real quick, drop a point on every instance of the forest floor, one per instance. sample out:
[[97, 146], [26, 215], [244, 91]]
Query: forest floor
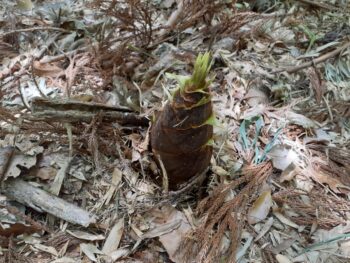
[[81, 81]]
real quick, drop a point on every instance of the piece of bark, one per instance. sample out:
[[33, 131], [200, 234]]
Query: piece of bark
[[43, 201], [74, 111]]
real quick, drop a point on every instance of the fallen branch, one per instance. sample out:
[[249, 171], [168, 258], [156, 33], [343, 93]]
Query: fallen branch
[[75, 111], [42, 201], [314, 61]]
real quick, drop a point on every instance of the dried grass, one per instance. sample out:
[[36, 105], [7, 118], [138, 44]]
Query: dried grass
[[219, 216], [135, 19], [331, 161], [325, 210], [12, 256]]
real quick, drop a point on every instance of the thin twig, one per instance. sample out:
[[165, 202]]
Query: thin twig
[[165, 174], [34, 29], [319, 5], [315, 61], [49, 59]]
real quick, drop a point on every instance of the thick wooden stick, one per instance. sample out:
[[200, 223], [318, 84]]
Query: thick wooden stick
[[43, 201], [75, 111]]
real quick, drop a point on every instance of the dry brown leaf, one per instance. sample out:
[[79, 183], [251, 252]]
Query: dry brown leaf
[[322, 178], [14, 229], [316, 83], [172, 239], [46, 173], [47, 69], [299, 119]]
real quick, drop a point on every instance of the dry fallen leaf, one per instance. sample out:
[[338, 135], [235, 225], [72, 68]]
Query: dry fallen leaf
[[282, 259], [64, 260], [282, 156], [266, 227], [171, 226], [285, 220], [50, 250], [299, 119], [85, 235], [17, 160], [112, 242], [322, 178], [46, 173], [116, 180], [12, 225], [256, 96], [316, 83], [260, 208], [90, 250], [289, 173]]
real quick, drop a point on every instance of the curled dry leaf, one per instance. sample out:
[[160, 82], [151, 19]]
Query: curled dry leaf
[[119, 253], [266, 227], [282, 156], [219, 170], [116, 180]]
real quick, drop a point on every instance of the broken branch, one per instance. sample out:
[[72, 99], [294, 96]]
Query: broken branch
[[42, 201]]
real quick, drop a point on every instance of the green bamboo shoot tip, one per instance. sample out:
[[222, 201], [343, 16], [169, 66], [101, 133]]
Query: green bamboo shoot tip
[[200, 73]]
